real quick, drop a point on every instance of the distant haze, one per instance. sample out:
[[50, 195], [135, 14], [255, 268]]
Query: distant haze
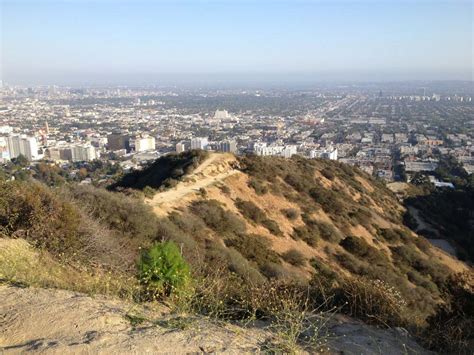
[[203, 42]]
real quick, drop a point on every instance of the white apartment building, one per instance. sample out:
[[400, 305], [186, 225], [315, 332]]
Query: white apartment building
[[83, 152], [142, 144], [228, 146], [180, 147], [199, 143], [327, 153], [285, 151], [288, 151], [24, 145]]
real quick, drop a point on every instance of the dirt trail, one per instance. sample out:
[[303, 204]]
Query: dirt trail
[[63, 322], [215, 169]]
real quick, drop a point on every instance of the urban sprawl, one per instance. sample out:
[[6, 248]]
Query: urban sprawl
[[391, 132]]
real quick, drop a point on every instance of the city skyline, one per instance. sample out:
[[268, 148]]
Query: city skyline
[[204, 42]]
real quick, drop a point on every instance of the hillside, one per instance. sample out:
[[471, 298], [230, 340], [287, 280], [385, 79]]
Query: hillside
[[264, 239]]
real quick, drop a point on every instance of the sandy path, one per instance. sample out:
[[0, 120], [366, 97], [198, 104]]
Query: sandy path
[[202, 177], [62, 322], [182, 190]]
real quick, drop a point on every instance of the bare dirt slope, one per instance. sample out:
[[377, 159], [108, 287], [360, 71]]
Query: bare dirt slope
[[214, 170], [60, 322]]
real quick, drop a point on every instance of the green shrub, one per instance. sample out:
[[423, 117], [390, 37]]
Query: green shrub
[[163, 271], [294, 257]]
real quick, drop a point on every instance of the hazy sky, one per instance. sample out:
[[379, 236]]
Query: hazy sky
[[139, 41]]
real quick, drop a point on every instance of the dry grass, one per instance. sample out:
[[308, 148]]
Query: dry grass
[[21, 264]]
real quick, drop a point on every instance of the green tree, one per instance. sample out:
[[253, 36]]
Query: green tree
[[163, 271]]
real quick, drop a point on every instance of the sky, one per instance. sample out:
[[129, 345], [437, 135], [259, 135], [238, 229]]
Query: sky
[[134, 42]]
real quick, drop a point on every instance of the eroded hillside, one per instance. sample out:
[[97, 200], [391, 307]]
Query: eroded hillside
[[294, 219], [256, 232]]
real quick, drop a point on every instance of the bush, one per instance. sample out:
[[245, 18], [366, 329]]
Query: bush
[[258, 186], [273, 270], [290, 213], [32, 211], [225, 189], [251, 211], [294, 257], [328, 232], [253, 247], [272, 226], [242, 267], [373, 301], [362, 249], [328, 173], [163, 271], [451, 329], [149, 192], [311, 237], [165, 172], [328, 199], [390, 235], [216, 218], [126, 215]]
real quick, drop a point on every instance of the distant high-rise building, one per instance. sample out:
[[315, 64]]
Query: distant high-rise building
[[118, 141], [22, 145], [228, 146], [83, 152], [199, 143]]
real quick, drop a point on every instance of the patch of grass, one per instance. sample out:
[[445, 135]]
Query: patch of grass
[[135, 319]]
